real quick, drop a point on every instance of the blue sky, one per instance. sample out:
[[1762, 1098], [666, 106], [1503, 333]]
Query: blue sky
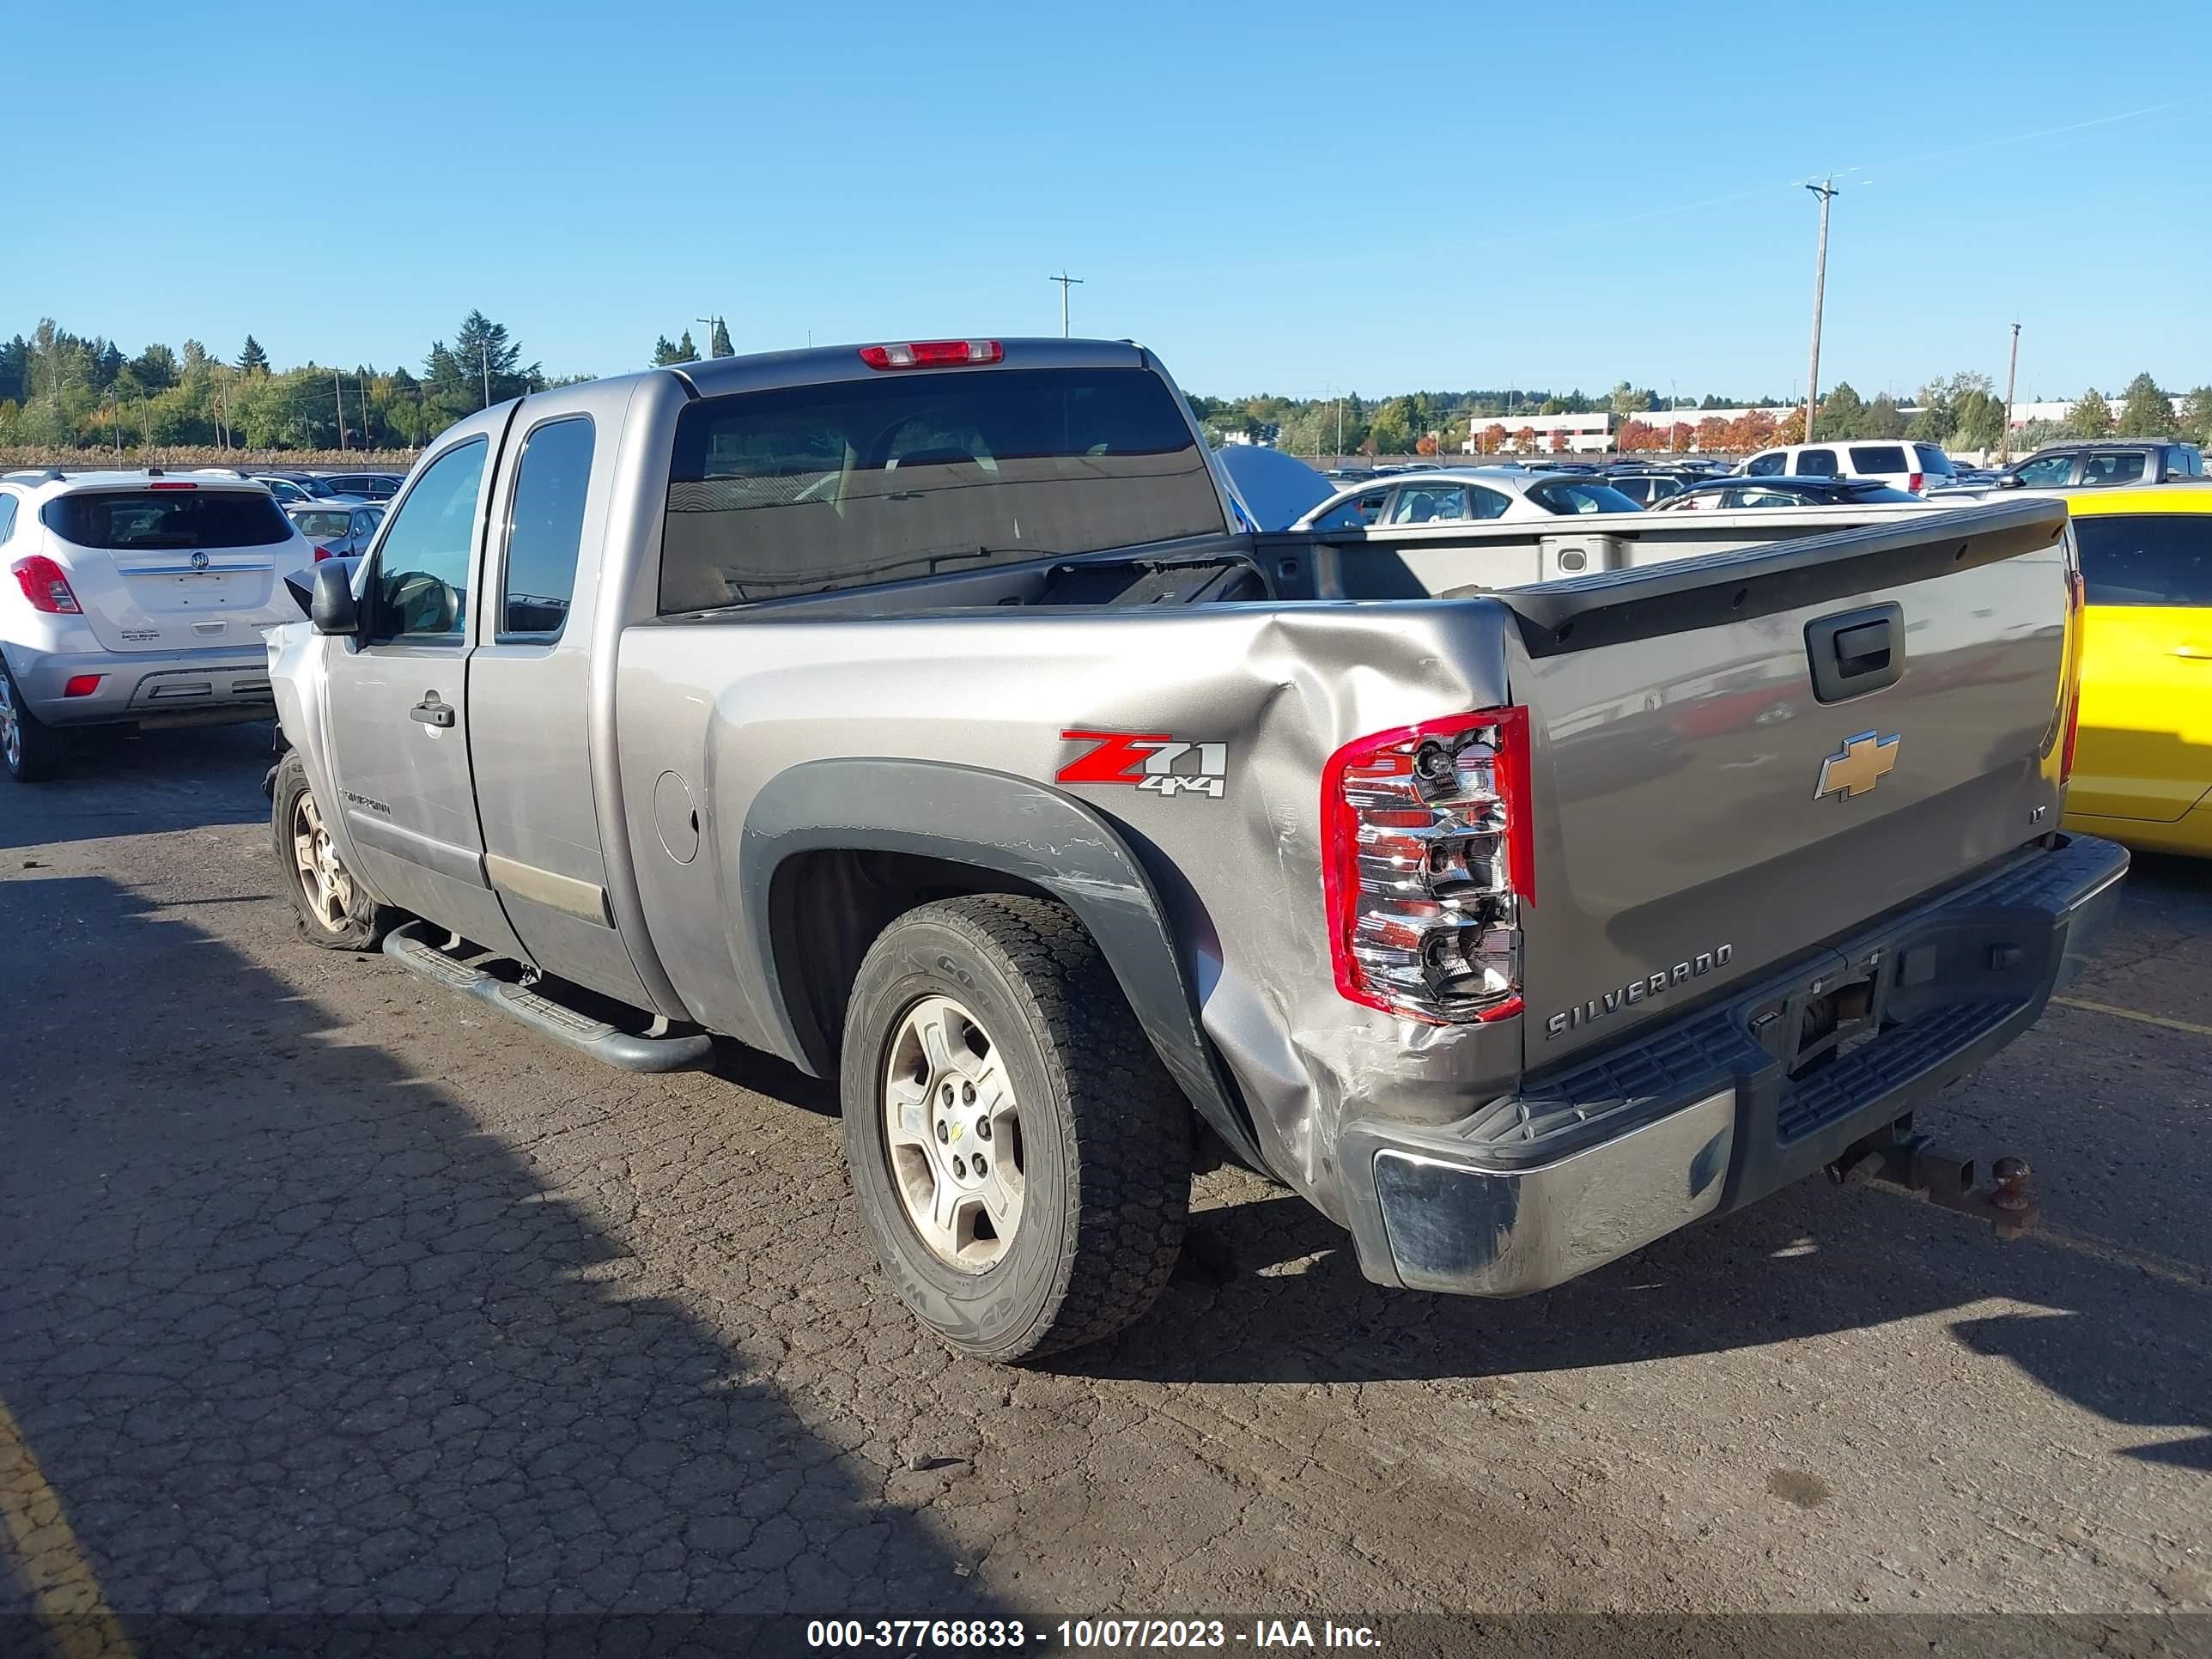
[[1289, 199]]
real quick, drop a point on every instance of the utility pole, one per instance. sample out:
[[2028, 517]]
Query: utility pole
[[712, 323], [1825, 191], [1066, 283], [484, 357], [2012, 377], [338, 386], [1671, 401]]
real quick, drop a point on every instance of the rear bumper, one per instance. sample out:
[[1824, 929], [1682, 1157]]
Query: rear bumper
[[228, 682], [1700, 1114]]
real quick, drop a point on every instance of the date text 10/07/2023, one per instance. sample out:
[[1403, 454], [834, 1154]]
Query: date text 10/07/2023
[[1085, 1635]]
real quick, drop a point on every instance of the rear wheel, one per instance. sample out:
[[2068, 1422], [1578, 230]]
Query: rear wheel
[[32, 748], [332, 909], [1021, 1157]]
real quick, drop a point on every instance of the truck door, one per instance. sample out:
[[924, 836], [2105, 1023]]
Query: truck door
[[398, 698], [530, 688]]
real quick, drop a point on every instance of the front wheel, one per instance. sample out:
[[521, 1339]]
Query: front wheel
[[32, 748], [1021, 1157], [332, 909]]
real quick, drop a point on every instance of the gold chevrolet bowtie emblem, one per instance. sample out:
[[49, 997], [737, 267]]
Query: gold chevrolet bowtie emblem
[[1861, 763]]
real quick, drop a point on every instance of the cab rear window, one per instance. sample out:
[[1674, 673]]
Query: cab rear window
[[803, 489], [2145, 558], [148, 519]]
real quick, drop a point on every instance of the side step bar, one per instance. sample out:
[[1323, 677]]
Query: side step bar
[[411, 946]]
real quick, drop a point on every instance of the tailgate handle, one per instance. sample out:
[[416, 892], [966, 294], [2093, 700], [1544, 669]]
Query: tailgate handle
[[1856, 651]]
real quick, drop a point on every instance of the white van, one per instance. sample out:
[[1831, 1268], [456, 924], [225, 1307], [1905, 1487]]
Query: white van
[[1917, 467]]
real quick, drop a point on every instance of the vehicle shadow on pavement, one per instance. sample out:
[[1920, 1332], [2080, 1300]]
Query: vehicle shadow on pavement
[[2120, 1275], [1270, 1292], [289, 1330], [118, 782]]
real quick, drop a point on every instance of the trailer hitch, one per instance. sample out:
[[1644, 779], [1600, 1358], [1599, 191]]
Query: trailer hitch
[[1922, 1166]]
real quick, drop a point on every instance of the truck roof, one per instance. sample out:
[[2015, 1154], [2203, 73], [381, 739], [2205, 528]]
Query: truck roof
[[817, 365]]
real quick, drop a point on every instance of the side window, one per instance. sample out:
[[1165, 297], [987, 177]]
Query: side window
[[364, 525], [545, 530], [1816, 462], [1879, 458], [2145, 558], [1429, 504], [2048, 473], [2123, 468], [1356, 513], [1488, 503], [423, 567], [1767, 465], [7, 517]]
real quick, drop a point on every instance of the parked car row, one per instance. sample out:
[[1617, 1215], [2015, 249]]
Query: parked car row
[[298, 489]]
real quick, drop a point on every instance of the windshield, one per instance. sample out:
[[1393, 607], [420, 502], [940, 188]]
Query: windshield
[[185, 517], [1558, 497], [808, 489]]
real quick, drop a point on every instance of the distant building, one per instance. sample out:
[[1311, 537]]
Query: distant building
[[1594, 433], [1591, 433]]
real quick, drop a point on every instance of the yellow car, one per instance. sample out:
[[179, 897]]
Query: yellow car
[[2143, 761]]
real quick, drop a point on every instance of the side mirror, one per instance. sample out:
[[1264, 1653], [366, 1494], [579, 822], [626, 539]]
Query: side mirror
[[332, 609]]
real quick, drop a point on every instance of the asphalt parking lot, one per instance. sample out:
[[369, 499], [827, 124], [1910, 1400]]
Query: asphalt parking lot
[[321, 1292]]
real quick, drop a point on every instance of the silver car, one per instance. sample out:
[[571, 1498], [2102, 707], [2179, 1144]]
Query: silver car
[[337, 529], [1464, 495]]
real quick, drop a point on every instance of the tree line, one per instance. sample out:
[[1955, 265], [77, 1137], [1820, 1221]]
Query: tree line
[[1960, 411], [64, 391]]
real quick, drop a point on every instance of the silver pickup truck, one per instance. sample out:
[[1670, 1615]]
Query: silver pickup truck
[[924, 714]]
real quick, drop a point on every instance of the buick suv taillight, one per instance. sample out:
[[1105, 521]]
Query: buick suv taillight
[[45, 585], [1426, 861]]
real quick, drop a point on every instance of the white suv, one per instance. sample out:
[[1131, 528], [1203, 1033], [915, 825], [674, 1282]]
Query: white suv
[[1915, 466], [136, 598]]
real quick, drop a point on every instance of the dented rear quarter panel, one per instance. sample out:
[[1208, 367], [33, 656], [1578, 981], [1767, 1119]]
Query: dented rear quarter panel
[[730, 704]]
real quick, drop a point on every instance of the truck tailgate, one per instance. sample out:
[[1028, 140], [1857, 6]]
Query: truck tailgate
[[1740, 755]]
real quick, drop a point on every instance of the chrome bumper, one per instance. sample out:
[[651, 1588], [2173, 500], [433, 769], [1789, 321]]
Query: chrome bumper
[[230, 681], [1699, 1113]]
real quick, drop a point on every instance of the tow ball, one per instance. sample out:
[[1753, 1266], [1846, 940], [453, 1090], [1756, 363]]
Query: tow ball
[[1921, 1166]]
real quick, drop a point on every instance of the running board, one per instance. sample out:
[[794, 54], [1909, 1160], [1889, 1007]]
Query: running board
[[412, 948]]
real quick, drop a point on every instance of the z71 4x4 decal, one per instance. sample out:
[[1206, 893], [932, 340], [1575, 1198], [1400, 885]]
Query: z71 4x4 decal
[[1148, 759]]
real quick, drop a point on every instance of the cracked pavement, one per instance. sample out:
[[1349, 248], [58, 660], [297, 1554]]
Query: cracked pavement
[[326, 1292]]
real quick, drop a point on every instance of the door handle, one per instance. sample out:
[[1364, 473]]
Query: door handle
[[2194, 653], [432, 711]]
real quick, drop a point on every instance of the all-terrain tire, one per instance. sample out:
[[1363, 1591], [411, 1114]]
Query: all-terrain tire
[[351, 921], [1105, 1134]]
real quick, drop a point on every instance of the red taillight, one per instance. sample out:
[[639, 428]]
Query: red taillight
[[80, 685], [1913, 481], [932, 354], [1426, 859], [2076, 603], [45, 586], [172, 486], [322, 553]]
